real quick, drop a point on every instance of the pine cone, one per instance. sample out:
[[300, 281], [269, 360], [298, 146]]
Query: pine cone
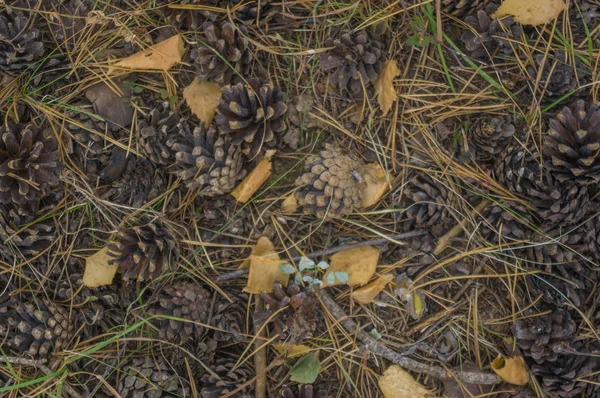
[[37, 328], [208, 162], [229, 379], [592, 237], [231, 317], [252, 114], [555, 203], [304, 391], [333, 184], [221, 52], [461, 8], [152, 378], [191, 19], [572, 144], [356, 59], [68, 20], [29, 163], [188, 301], [558, 76], [298, 321], [20, 43], [428, 205], [30, 241], [157, 130], [487, 36], [508, 223], [490, 135], [144, 252]]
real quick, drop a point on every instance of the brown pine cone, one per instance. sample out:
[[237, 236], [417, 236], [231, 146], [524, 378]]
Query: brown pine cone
[[35, 328], [188, 301], [487, 36], [27, 243], [508, 223], [29, 163], [208, 163], [298, 320], [151, 377], [304, 391], [20, 43], [592, 237], [461, 8], [490, 135], [190, 19], [230, 317], [558, 76], [144, 252], [355, 59], [333, 184], [572, 144], [155, 132], [229, 379], [251, 114], [222, 52]]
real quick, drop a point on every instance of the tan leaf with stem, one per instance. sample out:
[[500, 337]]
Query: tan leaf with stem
[[97, 271], [384, 86], [162, 56]]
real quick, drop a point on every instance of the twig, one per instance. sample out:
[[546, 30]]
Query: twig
[[398, 358], [372, 242], [260, 357]]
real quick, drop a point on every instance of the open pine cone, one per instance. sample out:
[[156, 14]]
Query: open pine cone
[[207, 161], [461, 8], [37, 328], [230, 317], [251, 114], [487, 36], [161, 126], [229, 379], [29, 242], [144, 252], [20, 43], [221, 52], [490, 135], [29, 163], [150, 377], [355, 60], [333, 184], [572, 144], [507, 223], [558, 76]]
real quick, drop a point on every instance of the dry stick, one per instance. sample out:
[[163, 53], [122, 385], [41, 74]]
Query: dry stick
[[260, 357], [40, 364], [407, 363], [373, 242]]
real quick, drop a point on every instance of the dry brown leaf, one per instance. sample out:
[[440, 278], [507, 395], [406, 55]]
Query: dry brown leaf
[[366, 294], [261, 173], [384, 86], [264, 247], [376, 184], [289, 205], [265, 271], [161, 56], [397, 383], [532, 12], [359, 263], [203, 98], [97, 271], [512, 370], [292, 350]]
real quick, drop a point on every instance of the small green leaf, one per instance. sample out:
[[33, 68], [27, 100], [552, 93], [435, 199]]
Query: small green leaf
[[164, 94], [375, 333], [287, 269], [306, 369], [323, 265], [317, 282], [330, 278], [306, 263], [342, 277], [307, 278], [137, 89], [413, 41]]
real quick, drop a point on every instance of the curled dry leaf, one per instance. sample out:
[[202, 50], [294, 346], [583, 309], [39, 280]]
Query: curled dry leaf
[[203, 98], [367, 294], [536, 12], [377, 184], [289, 205], [397, 383], [512, 370], [249, 185], [358, 263], [414, 300], [161, 56], [384, 86], [292, 350], [97, 271], [265, 269]]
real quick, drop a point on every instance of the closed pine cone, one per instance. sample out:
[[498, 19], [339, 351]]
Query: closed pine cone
[[303, 391], [507, 223], [251, 114], [229, 379], [35, 328], [151, 377], [490, 135], [161, 126], [20, 44], [30, 241], [461, 8], [207, 161], [334, 183], [27, 157], [230, 316], [222, 52], [144, 252], [558, 76], [185, 300], [489, 36], [572, 144]]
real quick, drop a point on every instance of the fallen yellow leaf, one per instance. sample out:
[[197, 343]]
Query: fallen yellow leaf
[[415, 303], [359, 263], [97, 271], [384, 86], [531, 12], [264, 272], [203, 98], [292, 350], [289, 205], [397, 383], [253, 181], [512, 370], [376, 184], [366, 294], [161, 56], [264, 247]]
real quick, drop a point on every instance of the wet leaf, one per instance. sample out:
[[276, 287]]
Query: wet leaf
[[536, 12], [203, 98], [261, 173], [291, 350], [367, 294], [384, 86], [265, 270], [306, 369], [162, 56], [377, 184], [359, 263], [512, 370], [289, 205], [397, 383], [97, 271]]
